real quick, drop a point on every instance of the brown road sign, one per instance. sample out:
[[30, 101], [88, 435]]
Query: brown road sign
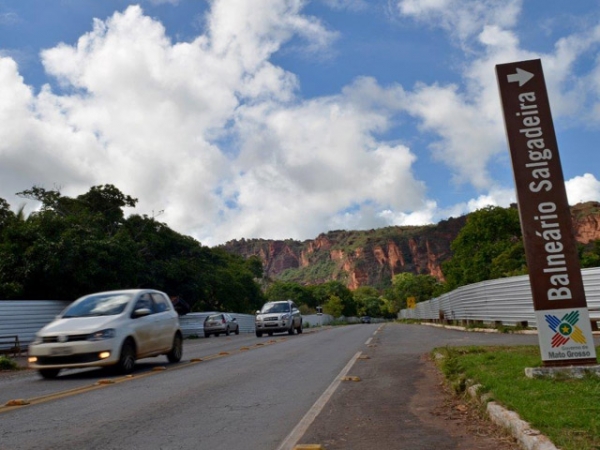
[[554, 271]]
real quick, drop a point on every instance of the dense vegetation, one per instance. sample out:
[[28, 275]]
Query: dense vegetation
[[74, 246]]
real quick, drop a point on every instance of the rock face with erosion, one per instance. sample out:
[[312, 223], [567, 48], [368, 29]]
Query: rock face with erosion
[[373, 257]]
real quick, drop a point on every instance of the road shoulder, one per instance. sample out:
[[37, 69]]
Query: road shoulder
[[394, 399]]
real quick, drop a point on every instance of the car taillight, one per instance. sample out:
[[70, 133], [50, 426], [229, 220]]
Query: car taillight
[[224, 321]]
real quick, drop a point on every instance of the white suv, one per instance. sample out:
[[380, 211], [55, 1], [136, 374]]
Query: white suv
[[277, 317]]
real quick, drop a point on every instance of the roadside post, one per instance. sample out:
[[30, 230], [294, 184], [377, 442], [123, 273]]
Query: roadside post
[[563, 321]]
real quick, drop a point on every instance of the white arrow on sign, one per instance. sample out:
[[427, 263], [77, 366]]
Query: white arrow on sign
[[522, 76]]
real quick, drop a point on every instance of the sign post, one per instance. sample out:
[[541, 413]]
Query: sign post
[[563, 322]]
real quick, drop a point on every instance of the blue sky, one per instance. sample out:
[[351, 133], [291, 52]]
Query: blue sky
[[285, 119]]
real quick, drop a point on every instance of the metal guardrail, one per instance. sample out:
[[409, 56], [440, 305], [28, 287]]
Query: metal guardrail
[[505, 300], [10, 345], [192, 324], [24, 318]]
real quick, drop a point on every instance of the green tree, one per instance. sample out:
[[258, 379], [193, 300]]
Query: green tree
[[289, 290], [368, 302], [590, 257], [333, 306], [404, 285], [389, 308], [323, 292], [486, 247], [11, 251], [255, 266]]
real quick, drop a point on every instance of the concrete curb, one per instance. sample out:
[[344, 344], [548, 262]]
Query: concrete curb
[[527, 437], [567, 371], [484, 330], [474, 330]]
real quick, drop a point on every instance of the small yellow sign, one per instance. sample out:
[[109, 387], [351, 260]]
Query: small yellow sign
[[411, 302]]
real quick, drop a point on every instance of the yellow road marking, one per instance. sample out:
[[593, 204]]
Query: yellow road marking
[[100, 384]]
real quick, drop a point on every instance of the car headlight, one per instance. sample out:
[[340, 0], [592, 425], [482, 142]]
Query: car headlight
[[109, 333], [37, 340], [285, 317]]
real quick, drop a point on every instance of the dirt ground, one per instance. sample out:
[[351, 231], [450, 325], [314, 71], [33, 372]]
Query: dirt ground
[[402, 402], [459, 416]]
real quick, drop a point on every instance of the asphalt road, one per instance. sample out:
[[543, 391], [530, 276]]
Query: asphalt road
[[248, 393]]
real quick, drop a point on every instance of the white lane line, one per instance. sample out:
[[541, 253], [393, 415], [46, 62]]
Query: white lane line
[[292, 439], [368, 341]]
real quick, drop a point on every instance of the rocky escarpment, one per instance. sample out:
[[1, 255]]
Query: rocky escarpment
[[356, 258], [359, 258], [586, 222]]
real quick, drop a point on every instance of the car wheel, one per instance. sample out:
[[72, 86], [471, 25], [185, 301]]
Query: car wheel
[[177, 350], [127, 358], [217, 334], [259, 334], [227, 331], [300, 328], [49, 374], [237, 330], [291, 330]]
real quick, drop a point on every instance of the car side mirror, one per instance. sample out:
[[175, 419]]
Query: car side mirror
[[141, 312], [234, 320], [257, 312]]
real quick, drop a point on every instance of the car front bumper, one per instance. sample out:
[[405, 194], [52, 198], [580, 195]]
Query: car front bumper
[[73, 354], [275, 326]]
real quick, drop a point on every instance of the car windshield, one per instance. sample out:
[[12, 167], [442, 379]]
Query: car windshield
[[98, 305], [275, 308]]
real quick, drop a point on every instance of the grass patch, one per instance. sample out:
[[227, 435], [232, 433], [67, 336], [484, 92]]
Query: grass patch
[[566, 410], [7, 363]]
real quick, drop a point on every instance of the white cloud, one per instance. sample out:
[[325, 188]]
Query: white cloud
[[213, 132], [250, 32], [160, 2], [583, 189], [9, 18], [351, 5], [466, 118], [469, 138], [462, 19], [209, 131], [317, 163]]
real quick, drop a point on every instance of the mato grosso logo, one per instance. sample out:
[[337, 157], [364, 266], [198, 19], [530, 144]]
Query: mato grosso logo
[[565, 329]]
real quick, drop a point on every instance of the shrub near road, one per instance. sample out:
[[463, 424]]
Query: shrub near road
[[566, 410]]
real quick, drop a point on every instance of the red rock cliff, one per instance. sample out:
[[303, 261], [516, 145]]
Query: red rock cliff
[[373, 257]]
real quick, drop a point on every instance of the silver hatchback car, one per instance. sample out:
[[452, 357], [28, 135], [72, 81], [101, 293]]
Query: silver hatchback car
[[113, 328], [220, 323], [277, 317]]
